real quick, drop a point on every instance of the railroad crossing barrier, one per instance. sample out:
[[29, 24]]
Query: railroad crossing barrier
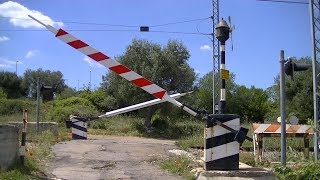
[[274, 130], [79, 126]]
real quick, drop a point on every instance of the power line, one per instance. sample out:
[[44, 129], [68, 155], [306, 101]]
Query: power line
[[119, 25], [281, 1], [105, 30], [180, 22]]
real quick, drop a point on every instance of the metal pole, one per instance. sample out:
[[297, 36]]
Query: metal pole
[[16, 68], [38, 103], [90, 81], [315, 84], [215, 54], [222, 107], [282, 109]]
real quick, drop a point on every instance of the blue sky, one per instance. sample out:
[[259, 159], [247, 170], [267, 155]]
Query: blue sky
[[261, 31]]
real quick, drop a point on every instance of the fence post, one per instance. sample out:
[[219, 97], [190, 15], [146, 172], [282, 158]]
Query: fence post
[[24, 135], [306, 145]]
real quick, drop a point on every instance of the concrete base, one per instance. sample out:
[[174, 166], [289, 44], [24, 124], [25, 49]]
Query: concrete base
[[9, 146], [43, 126], [244, 172]]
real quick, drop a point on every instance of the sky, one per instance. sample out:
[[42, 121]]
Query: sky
[[262, 29]]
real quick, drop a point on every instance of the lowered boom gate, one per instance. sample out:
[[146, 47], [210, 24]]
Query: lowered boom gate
[[223, 134]]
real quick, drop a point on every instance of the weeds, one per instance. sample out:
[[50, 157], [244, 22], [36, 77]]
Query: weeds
[[179, 165]]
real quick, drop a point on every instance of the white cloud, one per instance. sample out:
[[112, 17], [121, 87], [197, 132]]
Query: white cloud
[[205, 47], [4, 38], [31, 53], [6, 63], [91, 62], [18, 15]]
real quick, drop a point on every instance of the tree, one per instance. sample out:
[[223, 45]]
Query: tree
[[299, 92], [47, 77], [11, 85], [204, 93], [251, 104], [166, 66]]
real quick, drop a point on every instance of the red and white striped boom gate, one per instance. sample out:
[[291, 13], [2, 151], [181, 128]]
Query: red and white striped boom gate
[[274, 130], [141, 82]]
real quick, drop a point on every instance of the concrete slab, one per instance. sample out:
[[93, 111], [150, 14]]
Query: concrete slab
[[9, 146], [245, 172]]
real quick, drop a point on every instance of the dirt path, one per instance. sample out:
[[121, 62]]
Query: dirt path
[[110, 157]]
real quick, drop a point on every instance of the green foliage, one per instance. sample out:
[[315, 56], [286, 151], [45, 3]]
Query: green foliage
[[166, 66], [132, 126], [11, 85], [118, 125], [194, 141], [247, 158], [3, 95], [250, 103], [100, 99], [299, 90], [67, 92], [13, 106], [298, 93], [47, 77], [179, 165], [204, 94], [310, 170], [62, 109]]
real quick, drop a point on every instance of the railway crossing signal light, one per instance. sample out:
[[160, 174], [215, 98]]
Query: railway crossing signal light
[[290, 67]]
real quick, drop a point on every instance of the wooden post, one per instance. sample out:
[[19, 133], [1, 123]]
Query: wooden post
[[259, 149], [306, 145]]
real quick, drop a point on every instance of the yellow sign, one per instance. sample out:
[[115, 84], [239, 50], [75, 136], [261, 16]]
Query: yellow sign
[[224, 74]]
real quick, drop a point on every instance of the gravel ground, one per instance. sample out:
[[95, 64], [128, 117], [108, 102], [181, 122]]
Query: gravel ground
[[109, 157]]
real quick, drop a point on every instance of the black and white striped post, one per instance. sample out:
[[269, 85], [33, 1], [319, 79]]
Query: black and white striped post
[[221, 145], [222, 34], [78, 127], [24, 135]]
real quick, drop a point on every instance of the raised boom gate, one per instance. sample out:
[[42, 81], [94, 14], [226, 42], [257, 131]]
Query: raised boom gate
[[238, 134]]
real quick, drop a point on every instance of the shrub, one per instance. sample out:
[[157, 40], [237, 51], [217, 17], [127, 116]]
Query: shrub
[[309, 170], [63, 108], [99, 99], [12, 106]]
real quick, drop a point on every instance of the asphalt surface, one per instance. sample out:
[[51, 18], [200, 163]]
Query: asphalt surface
[[110, 157]]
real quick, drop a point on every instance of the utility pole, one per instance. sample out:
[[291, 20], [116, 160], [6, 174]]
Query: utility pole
[[17, 68], [215, 56], [90, 81], [314, 6], [282, 110], [38, 103]]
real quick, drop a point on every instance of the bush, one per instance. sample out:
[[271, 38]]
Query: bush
[[100, 100], [62, 109], [309, 170], [12, 106]]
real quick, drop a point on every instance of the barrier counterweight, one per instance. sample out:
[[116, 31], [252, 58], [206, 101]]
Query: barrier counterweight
[[78, 127], [221, 149]]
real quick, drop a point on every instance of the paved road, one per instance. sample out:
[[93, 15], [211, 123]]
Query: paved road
[[110, 157]]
